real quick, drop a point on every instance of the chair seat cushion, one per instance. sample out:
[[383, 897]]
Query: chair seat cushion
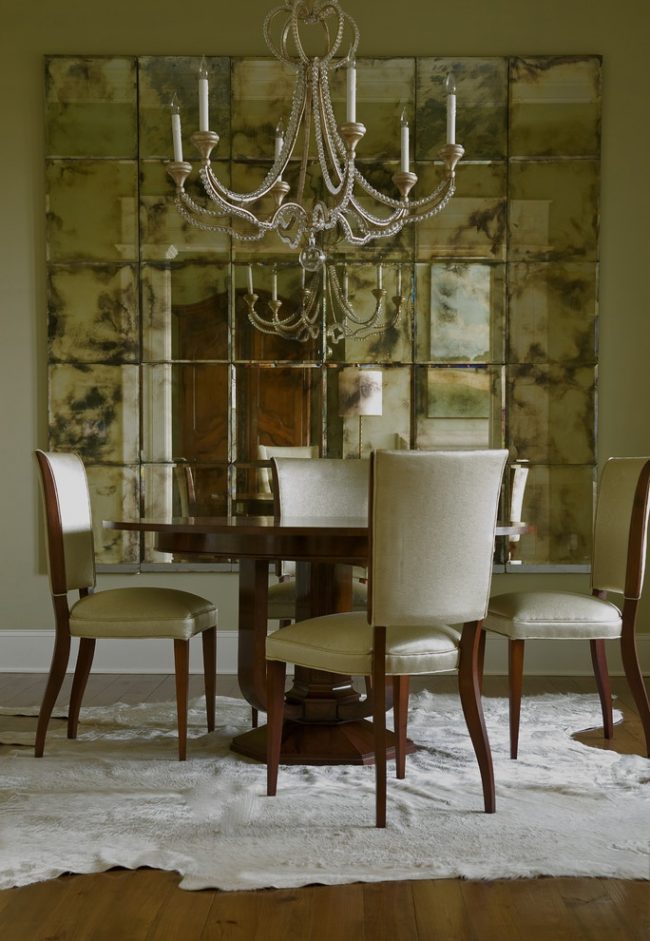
[[342, 643], [538, 614], [142, 612], [282, 599]]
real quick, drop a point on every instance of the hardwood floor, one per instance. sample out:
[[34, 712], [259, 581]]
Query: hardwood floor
[[147, 905]]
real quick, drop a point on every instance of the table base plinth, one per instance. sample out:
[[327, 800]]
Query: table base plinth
[[347, 743]]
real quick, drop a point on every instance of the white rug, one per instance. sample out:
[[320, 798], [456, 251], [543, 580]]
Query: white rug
[[117, 797]]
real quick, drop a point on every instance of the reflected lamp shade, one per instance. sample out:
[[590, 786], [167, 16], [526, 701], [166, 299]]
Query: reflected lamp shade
[[360, 392]]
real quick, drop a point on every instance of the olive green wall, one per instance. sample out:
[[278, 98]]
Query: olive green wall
[[29, 29]]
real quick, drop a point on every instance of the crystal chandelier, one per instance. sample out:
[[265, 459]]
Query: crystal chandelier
[[354, 212]]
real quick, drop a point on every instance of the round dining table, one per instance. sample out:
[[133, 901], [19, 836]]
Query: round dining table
[[325, 716]]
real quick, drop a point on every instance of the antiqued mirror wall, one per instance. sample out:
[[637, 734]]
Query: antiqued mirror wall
[[154, 366]]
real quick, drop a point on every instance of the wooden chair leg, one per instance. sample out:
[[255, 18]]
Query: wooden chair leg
[[58, 666], [599, 661], [400, 711], [515, 686], [481, 659], [379, 723], [255, 716], [636, 682], [470, 697], [276, 671], [80, 679], [209, 642], [182, 669]]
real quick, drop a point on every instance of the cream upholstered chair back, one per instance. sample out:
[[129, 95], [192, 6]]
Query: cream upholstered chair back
[[267, 451], [68, 516], [621, 527], [323, 487], [518, 480], [433, 519]]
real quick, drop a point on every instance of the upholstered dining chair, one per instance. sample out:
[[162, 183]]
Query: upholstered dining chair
[[322, 487], [318, 487], [518, 479], [618, 566], [119, 613], [432, 526], [265, 452]]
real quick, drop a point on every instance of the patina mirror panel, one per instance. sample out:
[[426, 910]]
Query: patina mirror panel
[[160, 381]]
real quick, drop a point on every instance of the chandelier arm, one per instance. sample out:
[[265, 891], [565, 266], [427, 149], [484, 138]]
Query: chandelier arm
[[331, 117], [449, 180], [266, 29], [229, 208], [279, 165], [372, 326], [334, 285], [321, 124], [370, 235], [396, 226], [379, 222], [193, 213], [308, 114]]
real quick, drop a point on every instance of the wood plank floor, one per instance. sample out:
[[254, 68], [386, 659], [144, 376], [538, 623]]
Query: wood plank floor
[[147, 905]]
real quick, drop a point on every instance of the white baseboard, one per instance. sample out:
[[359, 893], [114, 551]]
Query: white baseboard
[[30, 652]]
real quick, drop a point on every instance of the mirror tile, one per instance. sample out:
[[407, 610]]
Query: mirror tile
[[185, 412], [164, 235], [559, 501], [473, 225], [185, 310], [279, 405], [358, 435], [90, 108], [554, 210], [481, 107], [555, 106], [94, 410], [551, 413], [552, 310], [114, 495], [460, 312], [93, 314], [458, 407], [91, 210], [385, 89], [291, 286], [384, 321], [160, 78]]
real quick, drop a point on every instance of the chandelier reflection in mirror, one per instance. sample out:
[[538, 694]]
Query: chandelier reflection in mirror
[[354, 212]]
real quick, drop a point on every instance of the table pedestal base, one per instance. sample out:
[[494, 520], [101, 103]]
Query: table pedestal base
[[347, 743]]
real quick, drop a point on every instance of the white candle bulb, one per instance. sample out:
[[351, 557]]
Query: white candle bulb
[[250, 279], [279, 139], [204, 118], [380, 277], [405, 143], [274, 286], [352, 92], [450, 85], [176, 130]]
